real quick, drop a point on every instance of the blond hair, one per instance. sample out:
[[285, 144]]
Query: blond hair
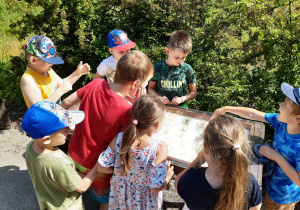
[[220, 136], [147, 110], [133, 66], [180, 40]]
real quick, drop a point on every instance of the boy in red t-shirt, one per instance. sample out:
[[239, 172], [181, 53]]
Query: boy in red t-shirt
[[107, 113]]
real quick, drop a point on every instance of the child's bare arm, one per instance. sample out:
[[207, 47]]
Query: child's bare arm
[[108, 170], [104, 170], [287, 168], [82, 69], [97, 75], [161, 157], [152, 89], [192, 94], [33, 94], [258, 207], [248, 113], [70, 101], [87, 180]]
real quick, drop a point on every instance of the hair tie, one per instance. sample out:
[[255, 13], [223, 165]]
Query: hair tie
[[236, 146], [135, 122]]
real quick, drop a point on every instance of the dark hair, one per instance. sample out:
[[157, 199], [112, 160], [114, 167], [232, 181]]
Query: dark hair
[[220, 136], [147, 110], [180, 40], [132, 66]]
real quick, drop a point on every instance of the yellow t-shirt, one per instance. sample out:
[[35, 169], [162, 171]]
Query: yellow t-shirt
[[47, 85]]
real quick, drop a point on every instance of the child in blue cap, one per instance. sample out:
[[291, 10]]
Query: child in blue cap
[[119, 44], [39, 82], [55, 181], [282, 186]]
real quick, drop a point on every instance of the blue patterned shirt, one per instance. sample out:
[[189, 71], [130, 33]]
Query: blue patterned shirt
[[280, 188]]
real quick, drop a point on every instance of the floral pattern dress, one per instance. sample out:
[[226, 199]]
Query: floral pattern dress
[[134, 190]]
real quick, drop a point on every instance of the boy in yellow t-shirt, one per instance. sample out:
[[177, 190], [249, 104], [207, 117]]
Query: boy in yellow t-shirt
[[40, 82]]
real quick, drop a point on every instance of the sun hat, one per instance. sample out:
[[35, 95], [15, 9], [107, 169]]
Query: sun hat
[[45, 118], [291, 92], [43, 47], [118, 39]]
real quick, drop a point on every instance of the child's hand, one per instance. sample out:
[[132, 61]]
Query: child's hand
[[218, 112], [141, 91], [66, 86], [83, 69], [164, 99], [170, 171], [176, 100], [269, 153]]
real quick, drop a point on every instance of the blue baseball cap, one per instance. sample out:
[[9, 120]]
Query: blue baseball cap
[[43, 48], [45, 118], [118, 39], [291, 92]]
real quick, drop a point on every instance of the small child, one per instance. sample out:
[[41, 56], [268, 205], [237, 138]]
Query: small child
[[140, 167], [55, 180], [107, 114], [226, 183], [282, 186], [40, 82], [172, 76], [119, 45]]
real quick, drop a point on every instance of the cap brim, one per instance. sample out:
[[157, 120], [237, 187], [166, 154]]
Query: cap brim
[[55, 60], [126, 46], [77, 117], [288, 91]]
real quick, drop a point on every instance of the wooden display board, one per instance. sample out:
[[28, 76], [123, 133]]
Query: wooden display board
[[182, 131]]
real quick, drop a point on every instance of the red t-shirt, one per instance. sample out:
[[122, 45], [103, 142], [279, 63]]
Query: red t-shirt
[[106, 115]]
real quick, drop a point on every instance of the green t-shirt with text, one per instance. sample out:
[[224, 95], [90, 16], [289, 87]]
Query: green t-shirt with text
[[173, 81]]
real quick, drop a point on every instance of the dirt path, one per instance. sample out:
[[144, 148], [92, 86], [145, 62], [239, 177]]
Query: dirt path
[[16, 191]]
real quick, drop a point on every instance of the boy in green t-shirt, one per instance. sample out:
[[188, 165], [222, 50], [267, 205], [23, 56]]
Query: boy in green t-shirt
[[172, 77], [54, 178]]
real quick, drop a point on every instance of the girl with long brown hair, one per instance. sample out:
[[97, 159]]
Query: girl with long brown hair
[[140, 167], [226, 183]]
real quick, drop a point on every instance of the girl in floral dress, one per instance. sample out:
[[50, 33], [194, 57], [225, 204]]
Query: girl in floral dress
[[140, 167]]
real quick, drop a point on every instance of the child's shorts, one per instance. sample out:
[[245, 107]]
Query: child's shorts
[[100, 187], [271, 205]]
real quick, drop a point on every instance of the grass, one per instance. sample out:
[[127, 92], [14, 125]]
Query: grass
[[11, 11]]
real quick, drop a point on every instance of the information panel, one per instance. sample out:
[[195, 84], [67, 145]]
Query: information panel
[[183, 128]]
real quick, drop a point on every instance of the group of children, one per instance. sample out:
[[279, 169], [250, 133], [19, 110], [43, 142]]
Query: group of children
[[111, 147]]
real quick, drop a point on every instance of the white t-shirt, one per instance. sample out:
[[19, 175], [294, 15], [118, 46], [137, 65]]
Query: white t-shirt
[[108, 67]]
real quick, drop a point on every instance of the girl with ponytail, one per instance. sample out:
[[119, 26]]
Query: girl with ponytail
[[225, 184], [140, 167]]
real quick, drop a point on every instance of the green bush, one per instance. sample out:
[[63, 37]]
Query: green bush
[[242, 50]]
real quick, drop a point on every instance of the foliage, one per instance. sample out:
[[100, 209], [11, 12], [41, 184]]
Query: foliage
[[242, 50]]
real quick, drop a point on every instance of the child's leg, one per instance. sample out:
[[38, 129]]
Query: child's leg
[[104, 206], [271, 205]]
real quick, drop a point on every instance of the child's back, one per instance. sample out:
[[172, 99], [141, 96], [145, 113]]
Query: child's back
[[107, 113], [140, 168], [143, 176], [282, 185], [55, 180]]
